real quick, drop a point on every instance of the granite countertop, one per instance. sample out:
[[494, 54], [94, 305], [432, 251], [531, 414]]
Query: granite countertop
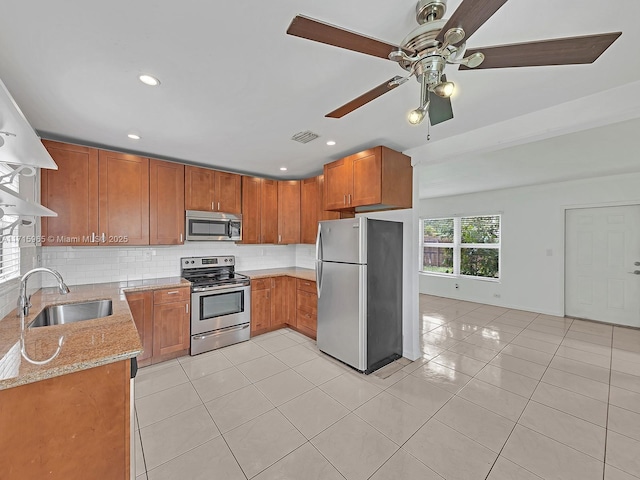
[[302, 273], [87, 344]]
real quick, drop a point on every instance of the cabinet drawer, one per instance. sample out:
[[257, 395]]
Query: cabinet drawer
[[260, 283], [306, 285], [307, 320], [307, 301], [169, 295]]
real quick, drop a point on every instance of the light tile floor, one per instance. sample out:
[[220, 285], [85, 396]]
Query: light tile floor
[[498, 394]]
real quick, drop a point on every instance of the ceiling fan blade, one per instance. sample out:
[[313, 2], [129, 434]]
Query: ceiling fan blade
[[559, 51], [439, 108], [470, 16], [318, 31], [364, 98]]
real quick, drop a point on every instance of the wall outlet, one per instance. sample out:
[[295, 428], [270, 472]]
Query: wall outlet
[[457, 286], [146, 255]]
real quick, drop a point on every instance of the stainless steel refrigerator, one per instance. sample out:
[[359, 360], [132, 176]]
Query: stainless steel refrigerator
[[359, 281]]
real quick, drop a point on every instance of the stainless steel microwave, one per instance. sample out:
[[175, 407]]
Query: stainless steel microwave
[[213, 226]]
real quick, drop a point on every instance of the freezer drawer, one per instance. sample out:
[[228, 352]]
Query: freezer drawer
[[342, 240], [342, 312]]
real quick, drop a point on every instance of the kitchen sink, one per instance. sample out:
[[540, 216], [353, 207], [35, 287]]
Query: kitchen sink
[[72, 312]]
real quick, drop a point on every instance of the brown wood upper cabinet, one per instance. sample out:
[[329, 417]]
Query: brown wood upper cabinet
[[375, 179], [259, 210], [166, 203], [101, 197], [311, 208], [211, 190], [288, 212], [71, 192], [123, 212]]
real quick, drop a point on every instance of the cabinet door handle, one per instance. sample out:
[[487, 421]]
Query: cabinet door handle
[[218, 206], [213, 207], [173, 293], [349, 199], [268, 294], [180, 238], [93, 237], [187, 306], [344, 200], [279, 238], [103, 238]]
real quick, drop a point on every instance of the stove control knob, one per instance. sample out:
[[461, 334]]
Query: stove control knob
[[192, 261]]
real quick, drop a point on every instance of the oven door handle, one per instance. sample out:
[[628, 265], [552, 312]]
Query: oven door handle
[[218, 332], [230, 288]]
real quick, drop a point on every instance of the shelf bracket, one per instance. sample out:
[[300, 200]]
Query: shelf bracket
[[24, 170]]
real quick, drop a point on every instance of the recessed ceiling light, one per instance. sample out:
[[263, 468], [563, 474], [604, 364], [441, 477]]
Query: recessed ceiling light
[[133, 136], [284, 169], [331, 143], [149, 80]]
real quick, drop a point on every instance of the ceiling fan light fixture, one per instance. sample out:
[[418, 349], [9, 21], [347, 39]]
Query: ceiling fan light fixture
[[444, 89], [415, 117]]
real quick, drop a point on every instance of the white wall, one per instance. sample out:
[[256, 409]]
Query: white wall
[[532, 263]]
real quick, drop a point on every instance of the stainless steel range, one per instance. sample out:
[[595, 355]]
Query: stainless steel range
[[220, 302]]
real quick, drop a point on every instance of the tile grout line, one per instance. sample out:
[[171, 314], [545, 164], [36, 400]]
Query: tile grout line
[[606, 431], [452, 396], [525, 407], [214, 422]]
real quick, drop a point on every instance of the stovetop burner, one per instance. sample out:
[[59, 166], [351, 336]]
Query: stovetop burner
[[211, 271]]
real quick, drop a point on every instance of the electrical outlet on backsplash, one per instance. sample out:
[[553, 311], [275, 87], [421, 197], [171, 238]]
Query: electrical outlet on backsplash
[[80, 265]]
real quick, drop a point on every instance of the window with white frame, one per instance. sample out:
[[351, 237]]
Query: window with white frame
[[461, 246], [9, 244]]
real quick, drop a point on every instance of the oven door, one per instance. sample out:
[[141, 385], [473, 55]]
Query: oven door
[[221, 307]]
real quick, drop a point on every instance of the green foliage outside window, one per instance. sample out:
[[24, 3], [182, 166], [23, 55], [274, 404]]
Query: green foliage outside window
[[474, 261]]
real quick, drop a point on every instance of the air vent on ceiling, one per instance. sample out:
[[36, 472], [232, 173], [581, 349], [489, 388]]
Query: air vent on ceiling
[[305, 137]]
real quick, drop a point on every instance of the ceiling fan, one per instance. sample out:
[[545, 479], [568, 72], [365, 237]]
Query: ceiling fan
[[437, 42]]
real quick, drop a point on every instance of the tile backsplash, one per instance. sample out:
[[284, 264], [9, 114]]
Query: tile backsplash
[[79, 265]]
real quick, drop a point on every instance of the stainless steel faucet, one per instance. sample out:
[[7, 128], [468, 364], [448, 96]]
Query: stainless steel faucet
[[24, 301]]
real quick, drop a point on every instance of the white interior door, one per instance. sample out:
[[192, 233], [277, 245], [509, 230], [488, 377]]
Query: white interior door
[[602, 279]]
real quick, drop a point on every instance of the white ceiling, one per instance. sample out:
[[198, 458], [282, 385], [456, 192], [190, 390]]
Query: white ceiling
[[235, 87]]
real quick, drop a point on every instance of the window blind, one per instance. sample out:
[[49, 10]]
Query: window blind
[[9, 244]]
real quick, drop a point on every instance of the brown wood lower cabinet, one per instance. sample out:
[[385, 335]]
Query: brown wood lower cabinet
[[260, 305], [163, 321], [306, 307], [278, 302], [141, 307], [71, 427]]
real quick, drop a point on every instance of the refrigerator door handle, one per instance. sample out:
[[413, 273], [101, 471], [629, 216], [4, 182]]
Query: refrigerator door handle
[[319, 242], [319, 259], [319, 277]]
